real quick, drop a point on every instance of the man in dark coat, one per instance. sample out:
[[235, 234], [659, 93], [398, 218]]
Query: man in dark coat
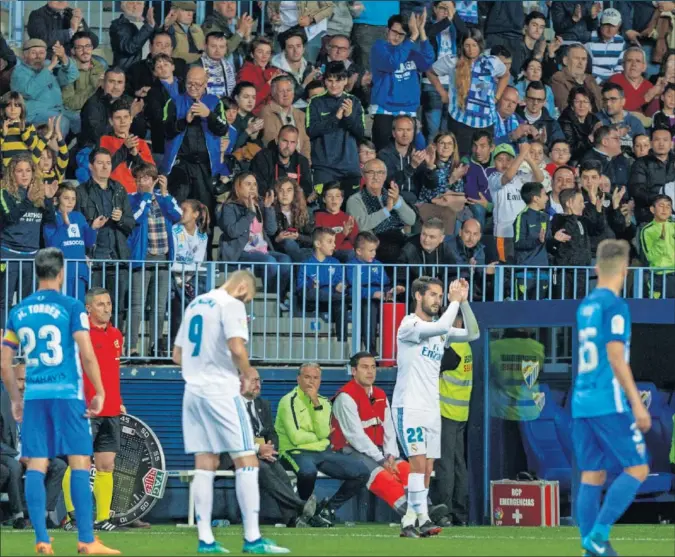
[[56, 22]]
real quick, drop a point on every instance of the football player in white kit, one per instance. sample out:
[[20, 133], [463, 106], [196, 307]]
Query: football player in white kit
[[210, 347], [416, 405]]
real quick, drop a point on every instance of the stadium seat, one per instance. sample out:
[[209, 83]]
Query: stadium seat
[[545, 439]]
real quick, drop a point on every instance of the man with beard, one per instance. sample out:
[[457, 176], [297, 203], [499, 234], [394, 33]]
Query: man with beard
[[91, 73]]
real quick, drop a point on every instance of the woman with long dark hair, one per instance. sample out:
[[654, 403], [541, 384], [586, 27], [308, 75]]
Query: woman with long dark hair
[[294, 222], [578, 121], [476, 83]]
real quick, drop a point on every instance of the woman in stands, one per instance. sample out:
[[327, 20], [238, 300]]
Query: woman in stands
[[249, 127], [257, 70], [248, 222], [16, 135], [54, 157], [442, 192], [532, 70], [25, 204], [294, 222], [578, 121]]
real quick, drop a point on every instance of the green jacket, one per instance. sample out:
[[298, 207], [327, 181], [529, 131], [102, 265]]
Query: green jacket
[[78, 92], [301, 426], [657, 244]]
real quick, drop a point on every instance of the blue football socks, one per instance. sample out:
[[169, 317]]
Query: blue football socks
[[36, 501], [618, 498], [588, 507], [80, 492]]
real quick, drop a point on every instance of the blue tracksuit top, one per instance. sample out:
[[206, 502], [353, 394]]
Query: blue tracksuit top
[[373, 277], [327, 274], [72, 240]]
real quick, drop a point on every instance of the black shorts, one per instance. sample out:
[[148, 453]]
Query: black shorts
[[106, 434]]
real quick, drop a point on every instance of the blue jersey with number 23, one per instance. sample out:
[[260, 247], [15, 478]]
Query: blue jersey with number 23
[[602, 317]]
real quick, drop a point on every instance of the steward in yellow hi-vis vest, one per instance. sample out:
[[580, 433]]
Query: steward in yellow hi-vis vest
[[515, 363], [451, 487]]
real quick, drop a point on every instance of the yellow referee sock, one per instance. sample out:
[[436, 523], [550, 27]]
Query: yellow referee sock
[[66, 492], [103, 492]]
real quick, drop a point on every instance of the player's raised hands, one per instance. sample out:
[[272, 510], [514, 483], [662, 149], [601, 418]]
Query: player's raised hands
[[465, 289], [455, 292]]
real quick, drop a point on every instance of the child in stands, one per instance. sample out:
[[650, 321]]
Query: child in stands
[[338, 221]]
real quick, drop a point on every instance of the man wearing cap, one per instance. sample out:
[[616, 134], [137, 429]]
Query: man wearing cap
[[91, 72], [606, 46], [40, 83], [190, 39], [56, 22]]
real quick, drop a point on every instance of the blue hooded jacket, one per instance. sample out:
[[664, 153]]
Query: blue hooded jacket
[[396, 78], [72, 240], [140, 206], [373, 277], [327, 274]]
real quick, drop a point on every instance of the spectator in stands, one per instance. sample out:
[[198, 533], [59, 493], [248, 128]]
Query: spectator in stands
[[40, 83], [303, 425], [559, 155], [613, 113], [166, 85], [370, 25], [320, 283], [248, 223], [653, 175], [315, 89], [340, 22], [71, 233], [665, 76], [7, 64], [476, 179], [572, 75], [573, 249], [441, 183], [279, 112], [15, 464], [642, 144], [151, 241], [537, 116], [384, 212], [505, 56], [295, 223], [575, 22], [639, 92], [130, 34], [91, 73], [194, 124], [395, 63], [237, 30], [479, 82], [291, 61], [334, 218], [578, 122], [427, 253], [665, 118], [335, 126], [443, 31], [258, 71], [55, 156], [539, 158], [26, 204], [220, 73], [606, 46], [636, 17], [96, 111], [505, 186], [280, 158], [405, 165], [103, 196], [504, 23], [467, 249], [189, 36], [563, 179], [532, 70], [190, 239], [17, 136], [127, 150], [55, 23], [302, 15], [607, 151], [657, 246], [141, 74], [249, 127], [375, 286]]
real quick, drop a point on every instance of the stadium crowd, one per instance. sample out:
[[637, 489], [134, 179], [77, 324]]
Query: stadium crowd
[[364, 134]]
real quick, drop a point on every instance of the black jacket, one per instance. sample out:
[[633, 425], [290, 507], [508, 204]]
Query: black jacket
[[304, 234], [547, 122], [577, 251], [155, 101], [127, 41], [576, 132], [635, 15], [51, 26], [505, 19], [265, 165], [95, 117], [6, 53], [8, 432], [647, 178], [564, 25], [399, 169], [616, 169], [140, 73], [412, 253], [90, 204]]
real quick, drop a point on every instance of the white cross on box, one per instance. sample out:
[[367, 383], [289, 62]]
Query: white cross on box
[[517, 516]]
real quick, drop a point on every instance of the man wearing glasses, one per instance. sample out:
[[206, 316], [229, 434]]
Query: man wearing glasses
[[548, 131], [91, 73], [613, 112], [607, 151]]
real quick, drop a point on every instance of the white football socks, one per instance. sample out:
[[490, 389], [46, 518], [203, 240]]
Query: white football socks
[[417, 500], [202, 487], [248, 497]]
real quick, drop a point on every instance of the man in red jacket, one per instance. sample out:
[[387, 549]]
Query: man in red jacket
[[127, 150], [363, 426]]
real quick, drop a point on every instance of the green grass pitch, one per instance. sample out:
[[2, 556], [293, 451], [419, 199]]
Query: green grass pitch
[[366, 539]]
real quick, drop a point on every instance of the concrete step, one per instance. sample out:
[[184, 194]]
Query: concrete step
[[296, 349]]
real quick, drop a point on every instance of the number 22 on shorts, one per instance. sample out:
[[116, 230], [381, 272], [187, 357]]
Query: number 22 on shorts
[[415, 435]]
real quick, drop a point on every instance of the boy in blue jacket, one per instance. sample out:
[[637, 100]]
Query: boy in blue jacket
[[73, 236], [375, 286], [151, 241], [320, 283]]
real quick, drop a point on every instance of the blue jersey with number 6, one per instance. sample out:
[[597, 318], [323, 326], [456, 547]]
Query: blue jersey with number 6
[[43, 325], [602, 317]]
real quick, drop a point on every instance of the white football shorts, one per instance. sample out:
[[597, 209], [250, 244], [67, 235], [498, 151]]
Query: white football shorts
[[418, 431]]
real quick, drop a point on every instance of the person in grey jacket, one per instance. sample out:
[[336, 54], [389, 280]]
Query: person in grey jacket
[[248, 223]]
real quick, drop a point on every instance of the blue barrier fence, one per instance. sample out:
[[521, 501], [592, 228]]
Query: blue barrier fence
[[289, 323]]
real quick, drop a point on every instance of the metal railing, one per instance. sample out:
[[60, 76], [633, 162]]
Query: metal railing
[[290, 324]]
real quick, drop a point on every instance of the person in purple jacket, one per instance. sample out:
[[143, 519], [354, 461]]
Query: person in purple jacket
[[476, 180], [73, 236]]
